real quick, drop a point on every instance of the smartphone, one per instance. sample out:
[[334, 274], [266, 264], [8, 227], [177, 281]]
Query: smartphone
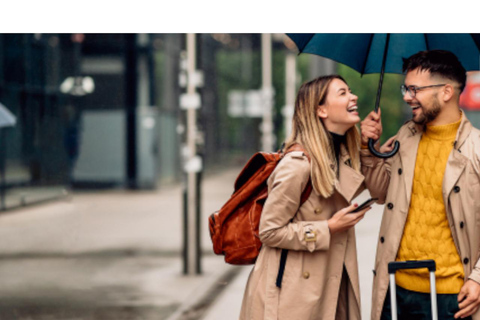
[[367, 203]]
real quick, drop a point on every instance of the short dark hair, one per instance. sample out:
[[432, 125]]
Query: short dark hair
[[437, 62]]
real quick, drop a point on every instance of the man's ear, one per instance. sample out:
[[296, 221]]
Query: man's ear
[[322, 112], [448, 92]]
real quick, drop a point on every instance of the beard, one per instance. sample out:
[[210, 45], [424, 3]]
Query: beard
[[428, 115]]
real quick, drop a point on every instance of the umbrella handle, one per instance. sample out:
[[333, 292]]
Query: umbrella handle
[[371, 147]]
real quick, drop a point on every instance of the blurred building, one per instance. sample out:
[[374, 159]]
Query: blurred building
[[102, 110]]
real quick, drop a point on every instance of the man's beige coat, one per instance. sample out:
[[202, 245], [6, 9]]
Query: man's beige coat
[[312, 280], [391, 181]]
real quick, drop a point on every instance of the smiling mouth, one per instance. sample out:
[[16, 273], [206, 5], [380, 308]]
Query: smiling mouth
[[352, 109]]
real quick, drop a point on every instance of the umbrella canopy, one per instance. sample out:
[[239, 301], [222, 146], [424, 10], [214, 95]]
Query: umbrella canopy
[[384, 52], [7, 119], [364, 51]]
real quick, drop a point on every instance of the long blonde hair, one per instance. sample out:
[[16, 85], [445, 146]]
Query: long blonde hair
[[309, 131]]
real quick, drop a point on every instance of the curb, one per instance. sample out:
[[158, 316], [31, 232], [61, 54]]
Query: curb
[[198, 303]]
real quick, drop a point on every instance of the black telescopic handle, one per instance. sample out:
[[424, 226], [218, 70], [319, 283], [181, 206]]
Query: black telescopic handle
[[412, 264], [371, 142]]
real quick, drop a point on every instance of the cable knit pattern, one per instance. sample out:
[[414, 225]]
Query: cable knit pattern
[[427, 233]]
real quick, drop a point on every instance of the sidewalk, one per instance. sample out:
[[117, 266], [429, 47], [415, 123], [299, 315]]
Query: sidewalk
[[116, 255], [107, 255]]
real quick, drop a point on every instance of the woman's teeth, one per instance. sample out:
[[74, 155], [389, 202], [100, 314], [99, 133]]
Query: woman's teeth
[[352, 109]]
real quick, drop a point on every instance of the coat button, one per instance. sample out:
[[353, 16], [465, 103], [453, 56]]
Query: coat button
[[400, 171], [461, 224], [456, 189], [390, 205], [306, 275], [465, 261], [382, 239], [317, 210]]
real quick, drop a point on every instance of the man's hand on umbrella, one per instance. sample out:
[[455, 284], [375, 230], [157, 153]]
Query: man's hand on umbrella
[[371, 127]]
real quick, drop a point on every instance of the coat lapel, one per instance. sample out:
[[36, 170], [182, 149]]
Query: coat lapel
[[456, 161], [349, 180], [408, 156]]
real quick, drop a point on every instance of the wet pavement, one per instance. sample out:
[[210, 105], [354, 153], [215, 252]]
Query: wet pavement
[[108, 255], [117, 255]]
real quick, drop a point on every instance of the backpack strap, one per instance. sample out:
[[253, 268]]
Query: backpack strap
[[297, 147], [305, 194]]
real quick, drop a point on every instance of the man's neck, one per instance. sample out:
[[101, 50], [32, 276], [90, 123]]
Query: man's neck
[[449, 114]]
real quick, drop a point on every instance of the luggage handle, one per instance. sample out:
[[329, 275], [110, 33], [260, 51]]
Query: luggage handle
[[412, 264]]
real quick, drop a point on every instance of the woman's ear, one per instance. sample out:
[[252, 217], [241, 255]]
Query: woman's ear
[[322, 112]]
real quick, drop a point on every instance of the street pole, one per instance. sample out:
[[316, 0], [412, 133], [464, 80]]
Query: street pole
[[290, 86], [192, 164], [267, 94]]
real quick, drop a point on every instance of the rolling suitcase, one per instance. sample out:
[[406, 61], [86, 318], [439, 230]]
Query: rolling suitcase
[[394, 266]]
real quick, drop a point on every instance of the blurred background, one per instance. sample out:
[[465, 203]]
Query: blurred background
[[122, 145], [103, 110]]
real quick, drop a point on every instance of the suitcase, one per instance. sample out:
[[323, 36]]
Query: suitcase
[[394, 266]]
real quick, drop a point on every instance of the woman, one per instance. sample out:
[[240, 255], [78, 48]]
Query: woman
[[320, 279]]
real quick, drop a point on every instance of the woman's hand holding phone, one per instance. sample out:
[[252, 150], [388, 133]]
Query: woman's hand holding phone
[[346, 218]]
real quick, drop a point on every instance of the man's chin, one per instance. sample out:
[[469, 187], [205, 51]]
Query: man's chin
[[418, 119]]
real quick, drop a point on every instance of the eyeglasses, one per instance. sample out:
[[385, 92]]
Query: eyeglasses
[[412, 90]]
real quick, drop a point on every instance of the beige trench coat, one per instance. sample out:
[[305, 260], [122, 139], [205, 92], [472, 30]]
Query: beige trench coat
[[313, 272], [461, 195]]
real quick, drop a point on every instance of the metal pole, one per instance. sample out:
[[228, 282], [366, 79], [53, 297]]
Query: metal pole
[[192, 264], [393, 297], [267, 93], [290, 84], [2, 170], [433, 295]]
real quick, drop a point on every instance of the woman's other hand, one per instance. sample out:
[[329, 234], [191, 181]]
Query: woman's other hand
[[343, 220], [388, 145]]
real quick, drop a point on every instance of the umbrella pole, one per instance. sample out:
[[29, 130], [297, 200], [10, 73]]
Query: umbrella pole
[[371, 142], [382, 72]]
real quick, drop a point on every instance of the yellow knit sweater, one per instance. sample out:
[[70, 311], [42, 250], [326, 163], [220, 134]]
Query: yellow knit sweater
[[427, 233]]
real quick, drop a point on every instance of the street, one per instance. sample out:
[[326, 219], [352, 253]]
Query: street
[[116, 255]]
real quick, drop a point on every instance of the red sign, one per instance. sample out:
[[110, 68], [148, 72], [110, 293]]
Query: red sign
[[470, 97]]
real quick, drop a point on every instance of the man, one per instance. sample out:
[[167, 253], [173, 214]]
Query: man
[[431, 188]]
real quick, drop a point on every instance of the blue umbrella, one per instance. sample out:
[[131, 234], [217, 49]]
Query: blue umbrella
[[384, 53]]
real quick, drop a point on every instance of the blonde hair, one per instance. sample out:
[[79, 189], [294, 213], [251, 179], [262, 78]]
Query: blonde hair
[[309, 131]]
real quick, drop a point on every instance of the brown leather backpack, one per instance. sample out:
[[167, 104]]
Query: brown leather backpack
[[234, 228]]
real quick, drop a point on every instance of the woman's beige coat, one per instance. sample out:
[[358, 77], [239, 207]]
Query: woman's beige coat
[[391, 181], [311, 284]]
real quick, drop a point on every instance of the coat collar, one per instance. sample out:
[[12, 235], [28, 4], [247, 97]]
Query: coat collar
[[463, 130], [349, 180]]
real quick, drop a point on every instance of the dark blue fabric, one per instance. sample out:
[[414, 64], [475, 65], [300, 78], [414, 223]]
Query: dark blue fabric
[[364, 51], [413, 305]]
